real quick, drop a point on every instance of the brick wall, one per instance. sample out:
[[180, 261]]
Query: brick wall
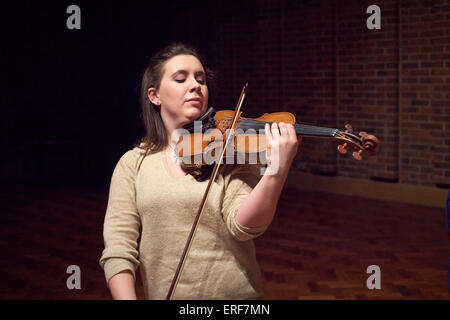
[[309, 77], [367, 90], [318, 60], [425, 93]]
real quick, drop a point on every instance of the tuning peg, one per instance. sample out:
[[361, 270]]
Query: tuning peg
[[341, 148], [363, 134], [348, 128], [357, 155]]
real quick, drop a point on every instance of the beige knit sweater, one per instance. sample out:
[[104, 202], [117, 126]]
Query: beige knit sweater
[[149, 216]]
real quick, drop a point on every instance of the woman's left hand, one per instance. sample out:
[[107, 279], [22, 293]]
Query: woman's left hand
[[282, 145], [260, 206]]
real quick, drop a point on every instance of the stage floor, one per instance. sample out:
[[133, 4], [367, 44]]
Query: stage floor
[[318, 247]]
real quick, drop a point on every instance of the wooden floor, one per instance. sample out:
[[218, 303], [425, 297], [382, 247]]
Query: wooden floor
[[318, 247]]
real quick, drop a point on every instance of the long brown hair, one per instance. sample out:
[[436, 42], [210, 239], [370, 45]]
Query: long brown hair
[[156, 138]]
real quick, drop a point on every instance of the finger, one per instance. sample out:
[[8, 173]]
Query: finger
[[268, 139], [291, 132], [283, 130], [268, 143], [268, 132], [275, 131]]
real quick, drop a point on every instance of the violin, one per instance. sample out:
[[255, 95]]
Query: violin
[[201, 145]]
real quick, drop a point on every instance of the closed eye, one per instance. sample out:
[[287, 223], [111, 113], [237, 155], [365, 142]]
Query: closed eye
[[200, 76], [201, 81]]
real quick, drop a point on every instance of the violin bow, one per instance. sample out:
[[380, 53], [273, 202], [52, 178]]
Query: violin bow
[[187, 247]]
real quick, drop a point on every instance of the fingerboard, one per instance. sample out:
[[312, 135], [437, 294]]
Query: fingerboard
[[300, 129]]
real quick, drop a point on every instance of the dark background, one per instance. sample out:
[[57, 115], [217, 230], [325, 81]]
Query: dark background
[[70, 98]]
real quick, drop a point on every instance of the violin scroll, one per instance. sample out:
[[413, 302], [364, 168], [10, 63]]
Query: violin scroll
[[362, 144]]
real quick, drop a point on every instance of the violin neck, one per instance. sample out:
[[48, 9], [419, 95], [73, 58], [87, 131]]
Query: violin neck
[[300, 129]]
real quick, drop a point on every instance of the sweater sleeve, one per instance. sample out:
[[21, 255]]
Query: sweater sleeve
[[122, 221], [239, 182]]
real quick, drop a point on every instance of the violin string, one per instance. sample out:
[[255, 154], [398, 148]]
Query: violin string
[[301, 129]]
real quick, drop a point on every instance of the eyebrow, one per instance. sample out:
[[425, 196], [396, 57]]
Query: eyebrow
[[185, 72]]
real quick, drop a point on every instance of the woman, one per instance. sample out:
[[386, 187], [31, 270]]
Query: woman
[[152, 201]]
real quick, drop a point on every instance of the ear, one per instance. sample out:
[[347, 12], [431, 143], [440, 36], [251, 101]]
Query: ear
[[153, 96]]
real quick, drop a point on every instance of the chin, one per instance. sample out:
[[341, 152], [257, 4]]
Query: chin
[[194, 113]]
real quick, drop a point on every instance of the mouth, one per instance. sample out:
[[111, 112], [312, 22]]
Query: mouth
[[194, 100]]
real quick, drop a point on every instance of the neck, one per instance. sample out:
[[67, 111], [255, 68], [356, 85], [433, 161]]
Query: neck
[[171, 129], [300, 129]]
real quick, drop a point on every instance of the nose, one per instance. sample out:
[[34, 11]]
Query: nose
[[194, 86]]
